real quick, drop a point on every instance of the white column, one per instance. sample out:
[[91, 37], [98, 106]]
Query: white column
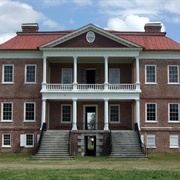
[[106, 72], [74, 126], [138, 113], [44, 72], [137, 73], [75, 74], [106, 115], [43, 115]]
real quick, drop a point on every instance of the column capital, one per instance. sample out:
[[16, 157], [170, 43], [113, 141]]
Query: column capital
[[106, 57], [75, 57]]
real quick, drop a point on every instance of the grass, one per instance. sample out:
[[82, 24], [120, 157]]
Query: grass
[[22, 166]]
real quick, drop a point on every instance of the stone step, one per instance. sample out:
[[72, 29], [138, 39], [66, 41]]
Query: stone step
[[125, 144]]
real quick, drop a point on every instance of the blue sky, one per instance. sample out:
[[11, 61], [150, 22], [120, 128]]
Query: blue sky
[[122, 15]]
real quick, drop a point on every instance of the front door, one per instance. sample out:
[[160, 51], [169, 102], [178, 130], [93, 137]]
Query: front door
[[90, 118]]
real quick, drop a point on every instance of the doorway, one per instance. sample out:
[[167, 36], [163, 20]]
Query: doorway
[[90, 145], [90, 118], [90, 76]]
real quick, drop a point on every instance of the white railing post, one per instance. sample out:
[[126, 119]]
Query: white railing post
[[106, 73], [106, 115], [74, 125], [44, 72], [75, 74]]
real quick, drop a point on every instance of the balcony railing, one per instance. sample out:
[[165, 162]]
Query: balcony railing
[[91, 87]]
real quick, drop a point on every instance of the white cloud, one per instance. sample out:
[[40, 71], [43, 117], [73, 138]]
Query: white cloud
[[54, 2], [6, 36], [14, 13], [130, 23], [83, 2]]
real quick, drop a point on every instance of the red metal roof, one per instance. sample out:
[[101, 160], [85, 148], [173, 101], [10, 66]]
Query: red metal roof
[[32, 41]]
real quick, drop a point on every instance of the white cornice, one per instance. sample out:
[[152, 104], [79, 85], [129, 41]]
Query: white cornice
[[90, 27], [92, 52], [159, 55], [21, 54]]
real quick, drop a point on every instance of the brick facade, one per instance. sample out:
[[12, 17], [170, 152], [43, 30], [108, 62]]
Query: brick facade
[[128, 52]]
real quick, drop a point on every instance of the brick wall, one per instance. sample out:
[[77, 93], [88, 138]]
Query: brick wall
[[19, 93]]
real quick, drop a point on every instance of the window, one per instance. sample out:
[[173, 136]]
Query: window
[[151, 141], [151, 112], [173, 74], [6, 111], [66, 75], [29, 111], [114, 76], [27, 140], [8, 74], [6, 140], [30, 74], [174, 141], [114, 113], [66, 113], [150, 74], [174, 110]]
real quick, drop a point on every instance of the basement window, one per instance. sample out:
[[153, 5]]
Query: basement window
[[6, 140], [151, 141], [174, 141], [27, 140]]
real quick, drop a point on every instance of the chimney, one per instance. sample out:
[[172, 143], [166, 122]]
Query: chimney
[[152, 27], [30, 27]]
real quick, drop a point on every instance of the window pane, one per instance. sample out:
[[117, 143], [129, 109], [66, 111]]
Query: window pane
[[7, 139], [151, 112], [7, 111], [150, 74], [30, 73], [30, 111], [29, 140], [173, 74], [114, 113], [174, 112], [67, 76], [114, 76], [66, 113], [8, 73]]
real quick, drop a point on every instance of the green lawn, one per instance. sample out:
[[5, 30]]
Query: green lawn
[[23, 167]]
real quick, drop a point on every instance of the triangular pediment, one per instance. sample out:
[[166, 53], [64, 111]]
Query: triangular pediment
[[102, 39]]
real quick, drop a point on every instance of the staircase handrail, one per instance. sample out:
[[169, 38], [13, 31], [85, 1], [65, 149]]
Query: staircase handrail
[[69, 143], [142, 145], [37, 145]]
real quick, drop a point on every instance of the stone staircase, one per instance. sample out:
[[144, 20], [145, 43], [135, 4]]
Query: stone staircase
[[125, 144], [54, 145]]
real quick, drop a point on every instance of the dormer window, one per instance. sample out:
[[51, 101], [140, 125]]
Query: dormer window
[[90, 36]]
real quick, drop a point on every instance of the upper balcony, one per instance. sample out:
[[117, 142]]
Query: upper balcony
[[98, 77]]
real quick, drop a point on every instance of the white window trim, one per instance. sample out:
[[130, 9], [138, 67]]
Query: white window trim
[[146, 74], [154, 139], [23, 138], [112, 122], [65, 122], [178, 74], [155, 121], [3, 82], [170, 141], [169, 113], [3, 145], [2, 105], [63, 74], [26, 72], [118, 72], [34, 112]]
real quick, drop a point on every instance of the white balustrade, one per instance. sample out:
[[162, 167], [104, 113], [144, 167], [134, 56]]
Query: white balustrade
[[91, 87]]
